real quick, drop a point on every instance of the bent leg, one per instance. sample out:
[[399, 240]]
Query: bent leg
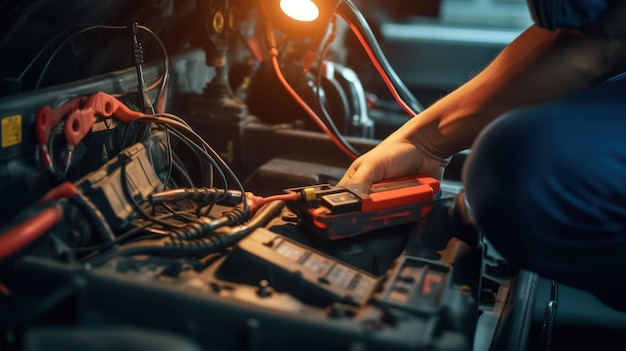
[[547, 187]]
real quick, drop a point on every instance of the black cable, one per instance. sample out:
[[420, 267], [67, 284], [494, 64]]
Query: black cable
[[208, 153], [205, 167], [204, 210], [120, 239], [206, 226], [64, 42], [176, 161], [58, 176], [131, 234], [204, 148], [204, 195], [47, 46], [166, 64], [348, 9], [182, 216], [175, 246], [205, 171], [318, 83], [205, 161], [137, 53], [130, 125], [94, 216], [129, 197], [170, 157], [71, 37], [333, 86], [180, 168], [218, 242]]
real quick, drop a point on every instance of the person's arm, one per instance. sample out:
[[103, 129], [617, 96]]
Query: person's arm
[[536, 67]]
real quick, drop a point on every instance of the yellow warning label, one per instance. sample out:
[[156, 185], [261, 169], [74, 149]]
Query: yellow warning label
[[11, 130]]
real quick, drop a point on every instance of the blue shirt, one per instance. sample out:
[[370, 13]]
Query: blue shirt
[[553, 14]]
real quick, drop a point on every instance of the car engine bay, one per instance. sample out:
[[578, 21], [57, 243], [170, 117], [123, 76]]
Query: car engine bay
[[170, 168]]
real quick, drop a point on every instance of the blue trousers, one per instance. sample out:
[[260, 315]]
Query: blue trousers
[[547, 188]]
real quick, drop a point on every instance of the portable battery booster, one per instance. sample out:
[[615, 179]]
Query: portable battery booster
[[345, 211]]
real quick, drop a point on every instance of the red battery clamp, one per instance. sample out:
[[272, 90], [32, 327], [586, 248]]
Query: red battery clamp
[[336, 212]]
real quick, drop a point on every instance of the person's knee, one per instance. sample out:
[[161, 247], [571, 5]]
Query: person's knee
[[549, 202], [535, 198], [500, 186], [499, 161]]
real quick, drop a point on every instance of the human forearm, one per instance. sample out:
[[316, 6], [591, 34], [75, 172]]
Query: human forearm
[[538, 66]]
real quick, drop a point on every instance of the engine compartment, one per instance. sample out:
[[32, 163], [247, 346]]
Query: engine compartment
[[155, 215]]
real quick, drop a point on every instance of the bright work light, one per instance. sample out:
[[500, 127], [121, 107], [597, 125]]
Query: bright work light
[[301, 10]]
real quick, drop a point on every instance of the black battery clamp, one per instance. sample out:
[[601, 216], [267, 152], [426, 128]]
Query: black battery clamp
[[336, 212]]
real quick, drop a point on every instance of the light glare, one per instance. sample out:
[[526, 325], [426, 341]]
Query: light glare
[[301, 10]]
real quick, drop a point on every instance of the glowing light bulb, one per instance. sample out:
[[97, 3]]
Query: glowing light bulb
[[301, 10]]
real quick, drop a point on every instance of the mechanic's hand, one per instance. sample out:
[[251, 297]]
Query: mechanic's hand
[[394, 157]]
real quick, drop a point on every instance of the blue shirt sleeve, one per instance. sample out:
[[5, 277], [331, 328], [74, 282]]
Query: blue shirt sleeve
[[553, 14]]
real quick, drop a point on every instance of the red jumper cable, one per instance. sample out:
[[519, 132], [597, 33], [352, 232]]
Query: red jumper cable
[[82, 113]]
